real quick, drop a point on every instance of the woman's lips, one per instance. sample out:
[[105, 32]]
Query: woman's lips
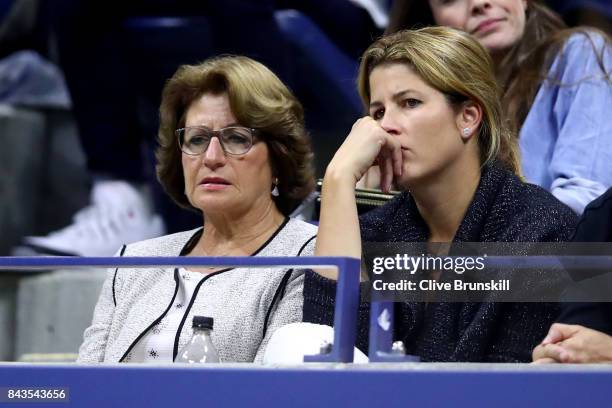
[[214, 183], [487, 25], [214, 186]]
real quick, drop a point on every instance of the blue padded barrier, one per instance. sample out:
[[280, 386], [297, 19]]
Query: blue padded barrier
[[324, 385], [347, 294]]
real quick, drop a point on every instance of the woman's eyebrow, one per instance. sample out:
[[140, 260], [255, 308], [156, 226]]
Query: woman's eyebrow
[[395, 96]]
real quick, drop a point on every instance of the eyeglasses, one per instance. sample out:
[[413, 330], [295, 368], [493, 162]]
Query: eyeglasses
[[235, 140]]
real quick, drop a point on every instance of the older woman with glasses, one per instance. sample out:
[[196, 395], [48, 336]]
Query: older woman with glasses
[[232, 147]]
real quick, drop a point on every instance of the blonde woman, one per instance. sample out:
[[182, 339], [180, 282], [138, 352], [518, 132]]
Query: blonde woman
[[434, 128]]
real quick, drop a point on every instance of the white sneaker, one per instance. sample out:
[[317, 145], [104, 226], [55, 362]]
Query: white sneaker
[[119, 214]]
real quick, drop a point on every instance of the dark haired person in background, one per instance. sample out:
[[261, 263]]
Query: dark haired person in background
[[583, 333]]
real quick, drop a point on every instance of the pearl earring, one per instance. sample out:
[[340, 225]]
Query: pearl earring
[[275, 189], [466, 131]]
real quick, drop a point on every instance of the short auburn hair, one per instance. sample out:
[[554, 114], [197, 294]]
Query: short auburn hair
[[258, 99]]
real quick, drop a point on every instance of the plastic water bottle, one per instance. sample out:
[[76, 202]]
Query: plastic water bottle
[[200, 348]]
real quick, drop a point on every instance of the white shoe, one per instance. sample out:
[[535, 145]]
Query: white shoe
[[119, 214]]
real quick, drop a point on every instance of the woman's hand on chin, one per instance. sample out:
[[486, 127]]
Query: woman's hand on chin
[[367, 144]]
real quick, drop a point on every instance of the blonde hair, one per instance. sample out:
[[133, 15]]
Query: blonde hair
[[258, 99], [456, 65]]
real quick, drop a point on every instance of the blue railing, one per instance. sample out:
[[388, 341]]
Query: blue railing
[[347, 292]]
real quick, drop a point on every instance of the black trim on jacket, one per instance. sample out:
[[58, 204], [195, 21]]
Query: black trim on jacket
[[189, 245], [156, 321], [280, 291], [115, 275], [197, 288]]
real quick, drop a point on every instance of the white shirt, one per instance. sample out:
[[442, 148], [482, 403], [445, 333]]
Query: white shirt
[[157, 345]]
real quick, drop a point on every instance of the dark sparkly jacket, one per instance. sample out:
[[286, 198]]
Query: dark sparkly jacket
[[595, 225], [504, 209]]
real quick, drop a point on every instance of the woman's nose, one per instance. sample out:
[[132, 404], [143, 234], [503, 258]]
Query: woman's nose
[[479, 5], [214, 156], [389, 123]]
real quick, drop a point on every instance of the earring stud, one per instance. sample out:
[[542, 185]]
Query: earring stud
[[466, 131]]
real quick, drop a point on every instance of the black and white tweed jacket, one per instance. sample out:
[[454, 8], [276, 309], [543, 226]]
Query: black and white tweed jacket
[[247, 304]]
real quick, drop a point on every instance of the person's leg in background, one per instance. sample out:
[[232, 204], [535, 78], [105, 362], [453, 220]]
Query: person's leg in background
[[91, 48], [91, 55]]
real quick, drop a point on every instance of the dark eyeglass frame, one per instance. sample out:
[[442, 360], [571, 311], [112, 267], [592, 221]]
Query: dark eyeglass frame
[[180, 133]]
